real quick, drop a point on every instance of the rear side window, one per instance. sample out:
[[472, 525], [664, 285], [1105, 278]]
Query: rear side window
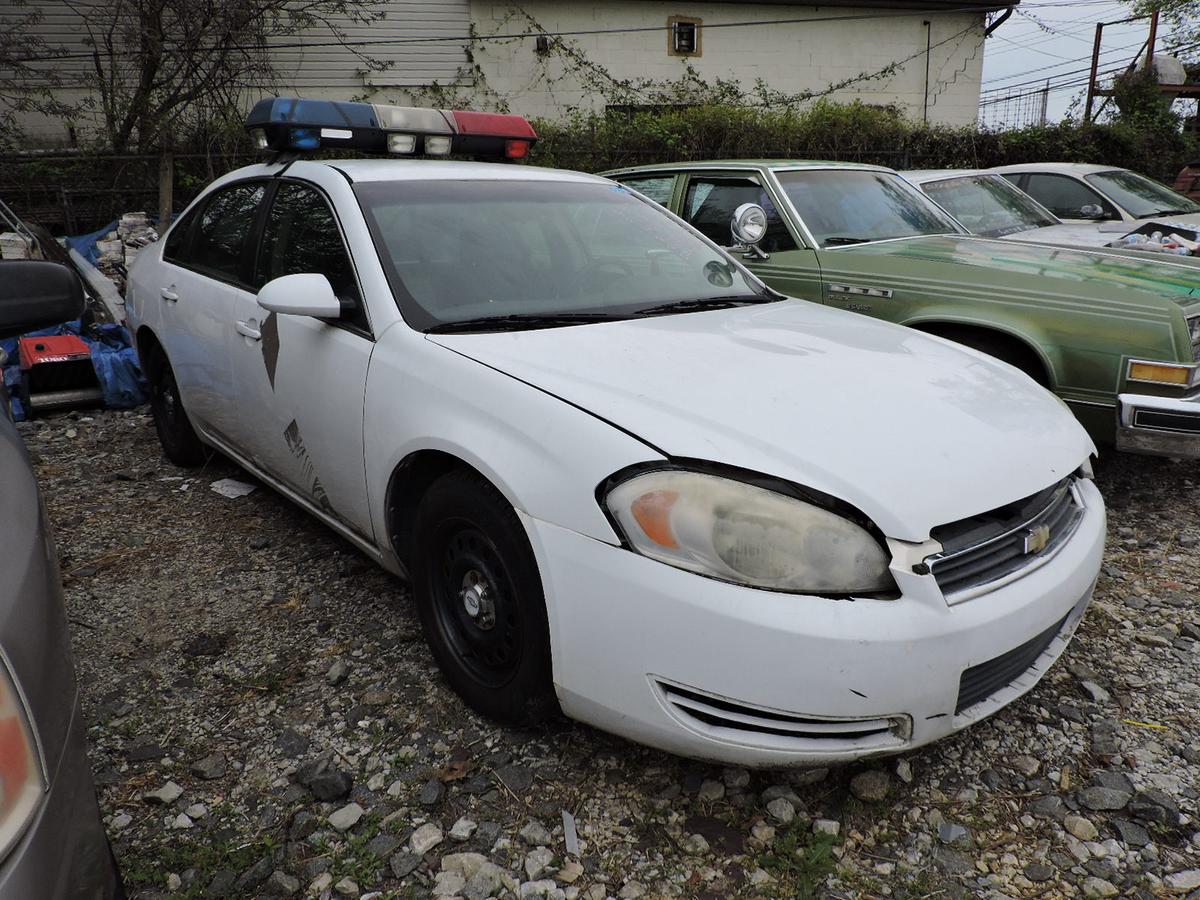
[[176, 242], [301, 236], [710, 204], [1066, 197], [223, 229]]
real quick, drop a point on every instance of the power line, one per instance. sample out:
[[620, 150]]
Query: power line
[[1174, 49], [478, 38]]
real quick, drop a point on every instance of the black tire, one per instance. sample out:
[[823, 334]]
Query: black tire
[[179, 440], [480, 600]]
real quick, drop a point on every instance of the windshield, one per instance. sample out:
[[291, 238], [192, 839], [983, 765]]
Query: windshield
[[851, 206], [988, 205], [1139, 196], [540, 254]]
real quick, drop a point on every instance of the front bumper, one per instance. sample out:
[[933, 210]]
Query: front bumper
[[1159, 426], [715, 671], [64, 853]]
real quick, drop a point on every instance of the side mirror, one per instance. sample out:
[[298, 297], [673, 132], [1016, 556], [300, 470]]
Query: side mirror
[[1092, 211], [749, 226], [308, 294], [36, 294]]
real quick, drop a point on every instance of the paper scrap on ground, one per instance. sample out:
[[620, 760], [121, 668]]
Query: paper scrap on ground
[[232, 488]]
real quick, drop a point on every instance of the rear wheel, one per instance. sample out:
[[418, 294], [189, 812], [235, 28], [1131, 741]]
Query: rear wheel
[[1003, 348], [179, 440], [480, 600]]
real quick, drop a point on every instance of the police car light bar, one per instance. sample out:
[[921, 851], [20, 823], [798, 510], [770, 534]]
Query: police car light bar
[[292, 124]]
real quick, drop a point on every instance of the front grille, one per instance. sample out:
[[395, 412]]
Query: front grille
[[1160, 420], [725, 719], [980, 682], [986, 548]]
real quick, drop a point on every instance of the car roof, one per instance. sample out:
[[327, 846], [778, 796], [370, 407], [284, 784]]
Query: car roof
[[1062, 168], [776, 164], [370, 170], [920, 176]]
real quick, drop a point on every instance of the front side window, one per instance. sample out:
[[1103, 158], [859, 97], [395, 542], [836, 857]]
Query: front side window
[[301, 236], [1066, 197], [854, 206], [1141, 197], [712, 200], [465, 251], [657, 187], [175, 245], [224, 226], [987, 205]]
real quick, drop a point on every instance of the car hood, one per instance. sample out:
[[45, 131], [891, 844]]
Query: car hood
[[913, 430], [1083, 272]]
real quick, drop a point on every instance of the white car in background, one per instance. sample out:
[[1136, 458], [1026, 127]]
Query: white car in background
[[989, 205], [625, 478], [1118, 199]]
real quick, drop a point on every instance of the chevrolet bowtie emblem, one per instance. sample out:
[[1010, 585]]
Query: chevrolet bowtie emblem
[[1037, 538]]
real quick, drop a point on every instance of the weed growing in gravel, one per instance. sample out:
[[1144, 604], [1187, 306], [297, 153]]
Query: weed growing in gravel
[[800, 861]]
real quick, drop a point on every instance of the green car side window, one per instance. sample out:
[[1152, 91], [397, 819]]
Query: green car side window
[[658, 188], [711, 201]]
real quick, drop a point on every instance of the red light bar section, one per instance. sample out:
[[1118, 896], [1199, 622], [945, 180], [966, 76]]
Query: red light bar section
[[483, 124]]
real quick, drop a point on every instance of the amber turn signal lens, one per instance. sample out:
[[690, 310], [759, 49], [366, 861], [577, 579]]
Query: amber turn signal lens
[[653, 513], [1160, 373]]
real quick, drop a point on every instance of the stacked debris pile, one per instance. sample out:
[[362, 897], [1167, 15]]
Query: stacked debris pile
[[117, 248], [14, 245]]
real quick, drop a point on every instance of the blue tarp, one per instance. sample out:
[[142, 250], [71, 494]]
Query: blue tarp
[[85, 244], [113, 358]]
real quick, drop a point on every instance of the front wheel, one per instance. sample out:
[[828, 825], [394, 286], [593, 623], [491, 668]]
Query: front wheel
[[179, 440], [480, 600]]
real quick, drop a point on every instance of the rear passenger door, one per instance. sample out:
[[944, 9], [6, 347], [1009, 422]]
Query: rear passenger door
[[205, 272], [708, 202], [301, 381]]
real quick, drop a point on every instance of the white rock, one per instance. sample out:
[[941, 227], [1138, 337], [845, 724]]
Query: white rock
[[711, 790], [544, 888], [465, 864], [321, 883], [538, 861], [1098, 887], [570, 872], [763, 832], [1081, 828], [904, 771], [376, 781], [462, 829], [826, 826], [347, 887], [182, 821], [174, 882], [121, 820], [197, 810], [448, 884], [347, 817], [1183, 882], [633, 889], [781, 810], [695, 844], [759, 876], [395, 789], [425, 838], [168, 793]]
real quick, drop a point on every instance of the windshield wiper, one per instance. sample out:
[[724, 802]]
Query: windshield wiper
[[519, 322], [682, 306], [845, 240], [1170, 212]]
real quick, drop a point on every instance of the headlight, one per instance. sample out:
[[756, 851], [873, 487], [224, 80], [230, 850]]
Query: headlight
[[20, 774], [749, 535]]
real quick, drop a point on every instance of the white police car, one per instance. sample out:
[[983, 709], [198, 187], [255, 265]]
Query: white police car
[[625, 478]]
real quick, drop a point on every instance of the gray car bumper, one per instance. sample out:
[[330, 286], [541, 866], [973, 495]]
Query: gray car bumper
[[64, 853], [1160, 426]]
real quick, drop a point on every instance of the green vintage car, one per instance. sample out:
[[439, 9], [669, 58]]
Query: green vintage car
[[1117, 338]]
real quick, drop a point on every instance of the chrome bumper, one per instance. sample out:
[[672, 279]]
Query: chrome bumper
[[1159, 426]]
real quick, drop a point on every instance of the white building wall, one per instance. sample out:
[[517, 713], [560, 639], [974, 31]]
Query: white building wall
[[790, 58]]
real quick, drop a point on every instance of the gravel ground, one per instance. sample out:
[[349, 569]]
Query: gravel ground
[[267, 721]]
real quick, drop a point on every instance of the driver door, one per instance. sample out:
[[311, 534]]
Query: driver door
[[301, 381]]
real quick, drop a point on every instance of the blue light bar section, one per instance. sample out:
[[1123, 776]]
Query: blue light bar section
[[312, 113]]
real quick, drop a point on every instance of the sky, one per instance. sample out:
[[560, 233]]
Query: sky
[[1052, 39]]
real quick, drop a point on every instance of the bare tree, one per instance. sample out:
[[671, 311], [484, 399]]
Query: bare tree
[[155, 66]]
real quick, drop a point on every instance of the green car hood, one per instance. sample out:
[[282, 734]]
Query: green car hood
[[1095, 272]]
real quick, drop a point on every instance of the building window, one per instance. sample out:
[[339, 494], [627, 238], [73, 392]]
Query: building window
[[683, 36]]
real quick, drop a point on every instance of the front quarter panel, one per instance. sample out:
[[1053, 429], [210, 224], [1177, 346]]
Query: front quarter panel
[[546, 456]]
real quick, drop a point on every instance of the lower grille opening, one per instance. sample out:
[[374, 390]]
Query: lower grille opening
[[725, 719], [1188, 423], [980, 682]]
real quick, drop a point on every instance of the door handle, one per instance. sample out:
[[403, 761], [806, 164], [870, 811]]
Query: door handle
[[247, 330], [169, 294]]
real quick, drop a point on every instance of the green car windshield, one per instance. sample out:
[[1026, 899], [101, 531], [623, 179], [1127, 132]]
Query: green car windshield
[[854, 206], [988, 205], [1139, 196]]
